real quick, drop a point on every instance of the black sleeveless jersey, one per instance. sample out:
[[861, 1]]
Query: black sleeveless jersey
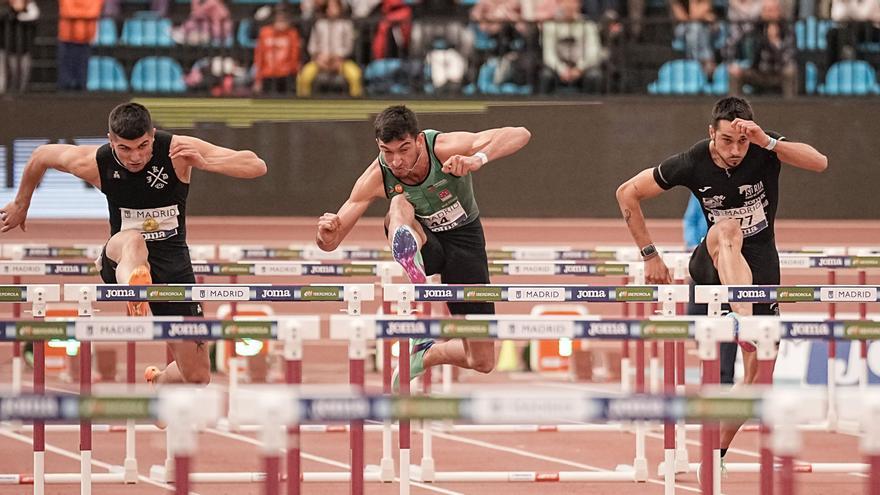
[[152, 201]]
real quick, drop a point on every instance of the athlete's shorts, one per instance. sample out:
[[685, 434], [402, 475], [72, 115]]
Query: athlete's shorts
[[459, 257], [168, 265]]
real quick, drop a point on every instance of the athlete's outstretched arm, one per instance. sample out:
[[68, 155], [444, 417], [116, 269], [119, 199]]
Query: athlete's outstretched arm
[[800, 155], [630, 194], [463, 152], [334, 227], [75, 160], [203, 155]]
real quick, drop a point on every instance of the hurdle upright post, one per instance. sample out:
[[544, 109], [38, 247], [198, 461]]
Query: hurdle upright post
[[386, 465], [85, 425], [293, 352], [16, 346], [39, 425], [832, 362], [782, 410], [766, 333], [357, 349], [709, 332], [870, 439], [130, 463], [863, 344]]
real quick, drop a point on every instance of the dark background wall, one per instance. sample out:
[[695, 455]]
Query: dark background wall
[[579, 153]]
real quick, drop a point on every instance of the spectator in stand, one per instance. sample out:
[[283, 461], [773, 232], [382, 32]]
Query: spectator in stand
[[695, 22], [393, 31], [17, 32], [331, 43], [492, 16], [573, 53], [209, 22], [276, 57], [113, 8], [744, 11], [770, 48], [77, 25], [857, 22]]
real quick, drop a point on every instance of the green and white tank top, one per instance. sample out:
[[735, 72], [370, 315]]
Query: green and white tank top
[[442, 201]]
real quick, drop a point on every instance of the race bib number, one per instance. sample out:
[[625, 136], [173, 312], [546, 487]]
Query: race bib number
[[445, 219], [751, 218], [154, 224]]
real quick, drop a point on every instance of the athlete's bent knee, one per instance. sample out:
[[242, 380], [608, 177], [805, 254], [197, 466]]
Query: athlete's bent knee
[[197, 376], [729, 231], [483, 365]]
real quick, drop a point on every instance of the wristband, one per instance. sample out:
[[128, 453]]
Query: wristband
[[771, 144], [483, 157]]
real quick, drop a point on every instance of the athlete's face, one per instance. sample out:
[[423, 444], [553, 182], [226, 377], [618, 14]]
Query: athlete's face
[[133, 154], [730, 145], [403, 155]]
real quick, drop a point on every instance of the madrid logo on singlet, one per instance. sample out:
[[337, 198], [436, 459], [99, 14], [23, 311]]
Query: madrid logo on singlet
[[157, 178]]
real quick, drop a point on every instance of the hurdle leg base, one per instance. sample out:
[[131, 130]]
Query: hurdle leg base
[[386, 470], [426, 470], [130, 471], [161, 474]]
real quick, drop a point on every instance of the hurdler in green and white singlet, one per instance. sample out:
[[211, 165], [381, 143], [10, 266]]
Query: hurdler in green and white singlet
[[442, 201]]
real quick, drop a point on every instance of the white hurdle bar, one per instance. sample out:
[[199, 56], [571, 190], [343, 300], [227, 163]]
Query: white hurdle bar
[[715, 296], [666, 295]]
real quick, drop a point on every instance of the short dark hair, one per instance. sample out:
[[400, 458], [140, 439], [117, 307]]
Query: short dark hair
[[395, 123], [730, 108], [130, 120]]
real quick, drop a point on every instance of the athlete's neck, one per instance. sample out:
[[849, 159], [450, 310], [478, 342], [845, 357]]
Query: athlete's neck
[[419, 172], [718, 160]]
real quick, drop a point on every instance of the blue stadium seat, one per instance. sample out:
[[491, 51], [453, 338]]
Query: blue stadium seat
[[811, 78], [147, 29], [133, 32], [486, 82], [811, 34], [850, 77], [106, 74], [106, 33], [720, 84], [157, 32], [482, 41], [380, 77], [157, 75], [679, 77]]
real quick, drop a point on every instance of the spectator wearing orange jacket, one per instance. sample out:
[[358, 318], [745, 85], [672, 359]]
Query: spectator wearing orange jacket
[[276, 56], [77, 23]]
